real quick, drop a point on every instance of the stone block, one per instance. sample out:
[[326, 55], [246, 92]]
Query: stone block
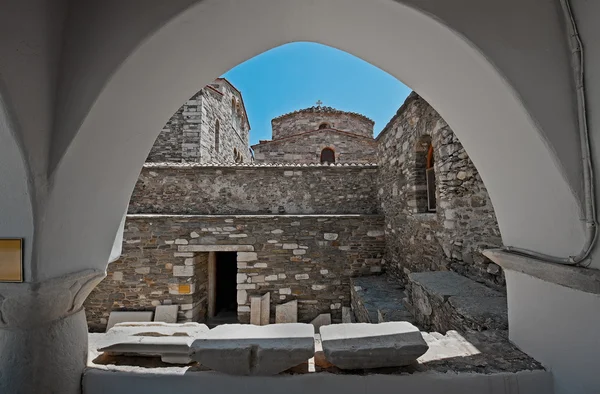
[[365, 345], [242, 297], [287, 313], [323, 319], [246, 256], [258, 279], [126, 317], [265, 309], [183, 270], [166, 313], [169, 347], [122, 330], [169, 341], [330, 236], [238, 349], [444, 284], [255, 311], [346, 314], [447, 300]]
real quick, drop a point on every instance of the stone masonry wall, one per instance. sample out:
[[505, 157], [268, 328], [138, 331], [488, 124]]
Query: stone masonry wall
[[190, 135], [307, 147], [310, 119], [190, 189], [306, 258], [464, 223]]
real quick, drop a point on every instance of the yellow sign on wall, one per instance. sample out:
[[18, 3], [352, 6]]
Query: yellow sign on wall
[[11, 260], [185, 289]]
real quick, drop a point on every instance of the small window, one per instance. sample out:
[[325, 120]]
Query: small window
[[327, 156], [233, 105], [324, 126], [430, 178], [217, 127]]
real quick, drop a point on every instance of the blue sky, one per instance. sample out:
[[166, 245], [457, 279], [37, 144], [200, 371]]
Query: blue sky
[[296, 75]]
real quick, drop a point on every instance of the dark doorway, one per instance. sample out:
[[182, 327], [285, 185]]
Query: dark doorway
[[327, 156], [226, 294]]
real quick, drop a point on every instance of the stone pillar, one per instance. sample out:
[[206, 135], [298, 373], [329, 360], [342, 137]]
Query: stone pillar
[[43, 334]]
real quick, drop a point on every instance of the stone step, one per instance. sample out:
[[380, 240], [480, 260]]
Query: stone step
[[445, 300], [378, 299]]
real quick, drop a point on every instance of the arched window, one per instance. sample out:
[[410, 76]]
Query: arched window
[[233, 106], [217, 127], [430, 178], [324, 126], [327, 156]]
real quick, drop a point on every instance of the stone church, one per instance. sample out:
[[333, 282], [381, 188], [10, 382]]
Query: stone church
[[319, 218]]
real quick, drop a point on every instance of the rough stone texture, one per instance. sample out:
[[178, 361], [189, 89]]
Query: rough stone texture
[[169, 341], [121, 330], [128, 288], [448, 301], [464, 223], [471, 352], [312, 118], [190, 134], [287, 313], [364, 345], [378, 299], [126, 317], [319, 279], [255, 350], [309, 260], [166, 313], [307, 147], [184, 189]]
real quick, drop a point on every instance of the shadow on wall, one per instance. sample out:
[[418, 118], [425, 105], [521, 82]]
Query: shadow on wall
[[438, 214]]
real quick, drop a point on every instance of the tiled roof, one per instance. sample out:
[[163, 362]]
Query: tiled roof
[[317, 109], [292, 136]]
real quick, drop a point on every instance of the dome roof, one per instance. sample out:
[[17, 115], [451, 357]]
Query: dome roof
[[318, 109]]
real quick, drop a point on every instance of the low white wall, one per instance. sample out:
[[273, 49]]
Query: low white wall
[[97, 381], [558, 326]]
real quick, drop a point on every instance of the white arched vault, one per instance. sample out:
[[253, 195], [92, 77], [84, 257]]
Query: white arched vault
[[504, 90], [16, 211]]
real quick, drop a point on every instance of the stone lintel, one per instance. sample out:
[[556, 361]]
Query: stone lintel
[[577, 278], [216, 248]]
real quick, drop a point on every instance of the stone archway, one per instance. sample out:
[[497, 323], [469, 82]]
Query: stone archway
[[97, 159], [119, 83]]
